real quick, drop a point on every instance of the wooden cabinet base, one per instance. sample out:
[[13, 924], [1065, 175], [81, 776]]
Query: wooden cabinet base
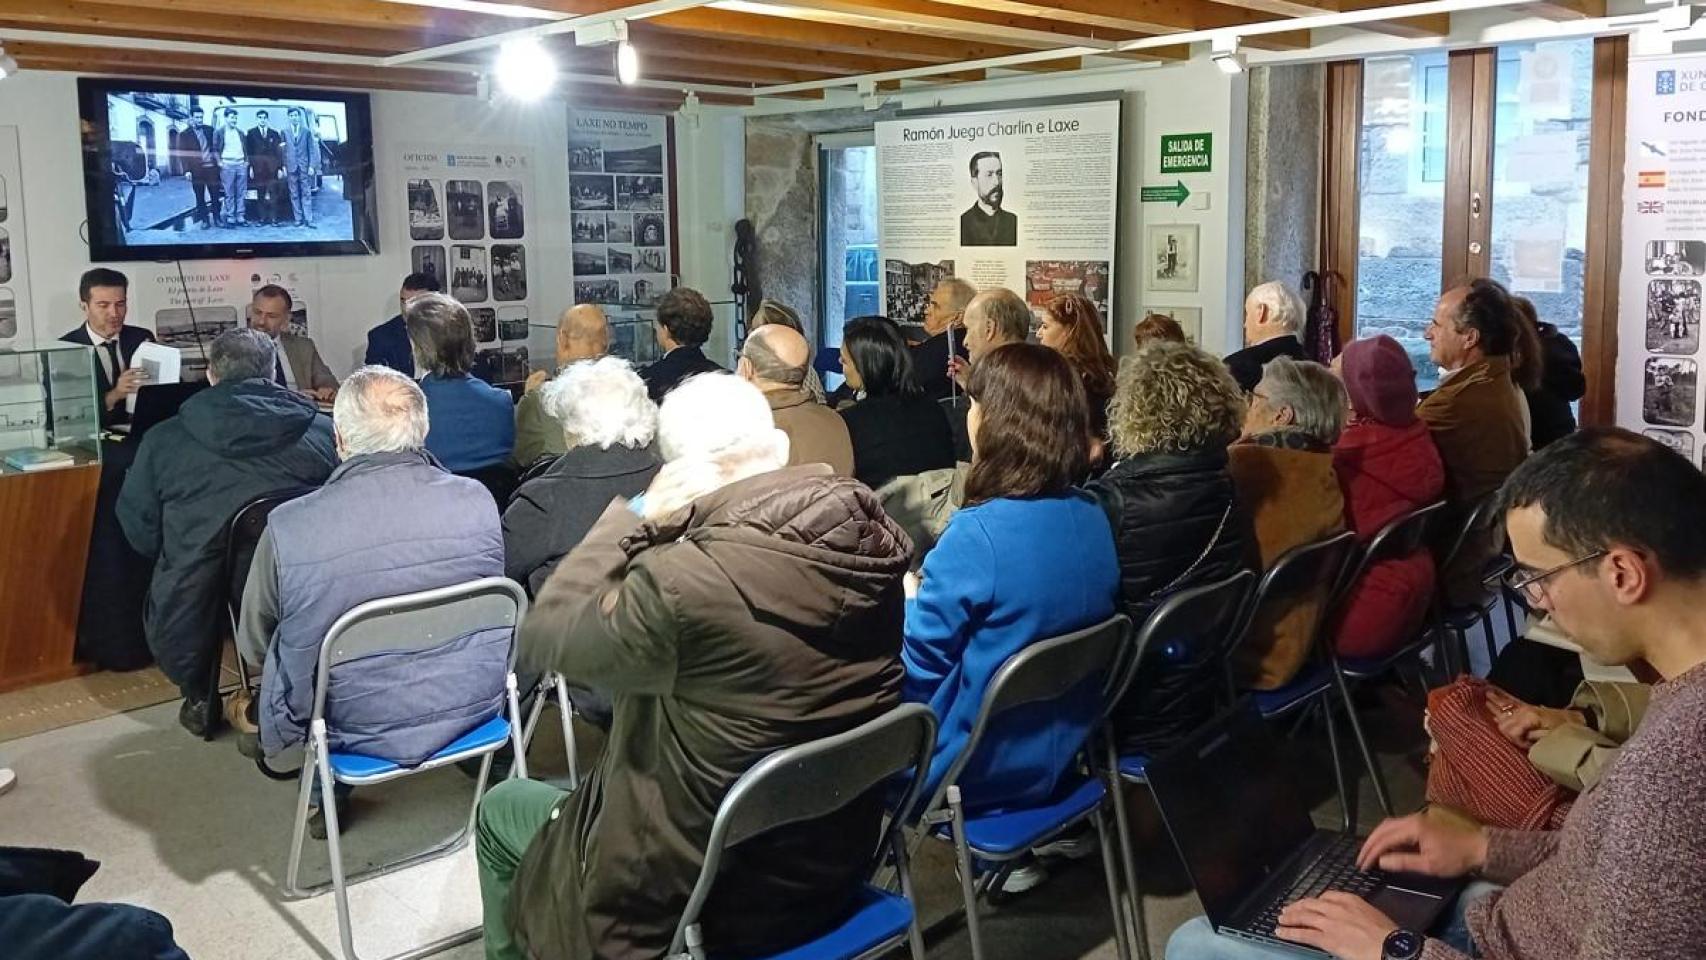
[[44, 544]]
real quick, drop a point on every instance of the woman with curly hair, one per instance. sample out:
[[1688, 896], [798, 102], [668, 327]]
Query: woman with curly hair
[[1176, 521], [1072, 327]]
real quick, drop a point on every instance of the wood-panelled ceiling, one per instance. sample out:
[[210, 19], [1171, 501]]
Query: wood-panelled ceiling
[[724, 49]]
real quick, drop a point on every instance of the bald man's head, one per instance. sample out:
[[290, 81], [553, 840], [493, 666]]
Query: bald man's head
[[582, 334], [775, 354], [994, 317]]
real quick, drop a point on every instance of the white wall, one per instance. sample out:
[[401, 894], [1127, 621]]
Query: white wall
[[358, 292], [1189, 97]]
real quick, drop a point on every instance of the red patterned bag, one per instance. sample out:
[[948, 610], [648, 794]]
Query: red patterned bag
[[1476, 770]]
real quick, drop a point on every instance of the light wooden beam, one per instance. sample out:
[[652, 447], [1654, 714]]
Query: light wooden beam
[[1568, 9], [781, 31], [651, 40], [98, 19], [73, 58], [360, 14], [929, 18]]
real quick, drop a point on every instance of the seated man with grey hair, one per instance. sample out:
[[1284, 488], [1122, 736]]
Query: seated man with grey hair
[[739, 608], [605, 423], [1273, 319], [241, 437], [420, 527], [775, 359], [1282, 468]]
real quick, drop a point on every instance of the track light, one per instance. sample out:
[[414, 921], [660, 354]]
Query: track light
[[8, 65], [525, 69], [627, 58], [1224, 50]]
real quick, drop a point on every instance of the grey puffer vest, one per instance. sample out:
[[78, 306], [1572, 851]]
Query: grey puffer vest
[[382, 526]]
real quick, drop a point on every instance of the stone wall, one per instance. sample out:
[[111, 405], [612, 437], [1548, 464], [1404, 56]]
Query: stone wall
[[1282, 188]]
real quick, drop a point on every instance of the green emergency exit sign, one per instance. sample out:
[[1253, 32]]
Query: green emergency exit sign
[[1187, 152]]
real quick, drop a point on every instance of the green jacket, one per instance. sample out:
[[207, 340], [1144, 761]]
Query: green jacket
[[760, 616], [536, 432]]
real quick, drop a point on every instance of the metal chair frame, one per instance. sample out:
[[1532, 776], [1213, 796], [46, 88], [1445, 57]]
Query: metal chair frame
[[228, 572], [354, 634], [1478, 519], [1045, 670], [1344, 544], [812, 780], [1229, 594], [554, 684]]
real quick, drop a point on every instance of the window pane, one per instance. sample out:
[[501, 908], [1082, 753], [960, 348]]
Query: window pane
[[850, 273], [1540, 176], [1402, 200]]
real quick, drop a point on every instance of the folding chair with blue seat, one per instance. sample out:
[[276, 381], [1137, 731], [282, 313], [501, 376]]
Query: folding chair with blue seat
[[1301, 575], [813, 780], [1053, 675], [1192, 628], [415, 624], [1459, 619]]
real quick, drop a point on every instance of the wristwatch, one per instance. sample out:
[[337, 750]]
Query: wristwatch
[[1401, 945]]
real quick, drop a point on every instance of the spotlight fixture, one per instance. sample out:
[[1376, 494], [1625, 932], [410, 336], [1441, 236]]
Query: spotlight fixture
[[8, 65], [525, 69], [1224, 50], [627, 58]]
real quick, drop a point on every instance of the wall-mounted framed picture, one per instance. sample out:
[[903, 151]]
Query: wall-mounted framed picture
[[1173, 257], [1189, 319]]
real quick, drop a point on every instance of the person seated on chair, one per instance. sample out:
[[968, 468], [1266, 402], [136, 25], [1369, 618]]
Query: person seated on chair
[[1176, 521], [1027, 558], [944, 310], [773, 313], [243, 436], [895, 429], [992, 318], [104, 295], [388, 343], [296, 363], [1283, 470], [473, 422], [1477, 414], [776, 359], [583, 333], [607, 426], [736, 608], [1605, 525], [1273, 317], [313, 564], [1387, 467], [683, 325]]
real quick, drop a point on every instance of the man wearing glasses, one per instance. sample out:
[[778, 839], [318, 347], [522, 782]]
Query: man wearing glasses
[[1606, 527]]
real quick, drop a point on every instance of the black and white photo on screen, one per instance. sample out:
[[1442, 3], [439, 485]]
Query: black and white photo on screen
[[428, 260], [426, 214], [468, 277], [1673, 317], [1669, 388], [509, 271], [504, 212]]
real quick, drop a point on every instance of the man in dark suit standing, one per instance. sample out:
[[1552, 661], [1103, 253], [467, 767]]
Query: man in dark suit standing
[[265, 148], [985, 224], [683, 325], [301, 166], [200, 165], [103, 294], [115, 579]]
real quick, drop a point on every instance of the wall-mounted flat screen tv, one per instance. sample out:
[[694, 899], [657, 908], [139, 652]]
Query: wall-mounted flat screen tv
[[178, 171]]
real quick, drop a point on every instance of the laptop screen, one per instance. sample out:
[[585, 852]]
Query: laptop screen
[[1235, 806]]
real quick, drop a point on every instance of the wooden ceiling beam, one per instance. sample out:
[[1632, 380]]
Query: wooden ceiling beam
[[98, 19], [94, 61], [781, 31], [651, 41], [934, 19], [1568, 9], [361, 14]]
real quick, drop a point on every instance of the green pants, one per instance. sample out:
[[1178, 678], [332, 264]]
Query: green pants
[[510, 815]]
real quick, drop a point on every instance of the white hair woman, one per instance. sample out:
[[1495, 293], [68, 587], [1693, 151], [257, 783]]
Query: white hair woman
[[1283, 468], [608, 427]]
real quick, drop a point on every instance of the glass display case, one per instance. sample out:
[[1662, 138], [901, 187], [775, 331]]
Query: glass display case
[[49, 413]]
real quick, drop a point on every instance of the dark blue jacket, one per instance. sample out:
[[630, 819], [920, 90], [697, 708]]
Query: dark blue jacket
[[35, 926], [1006, 574], [472, 422], [388, 346], [419, 528]]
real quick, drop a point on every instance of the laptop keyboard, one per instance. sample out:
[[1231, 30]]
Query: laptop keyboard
[[1334, 869]]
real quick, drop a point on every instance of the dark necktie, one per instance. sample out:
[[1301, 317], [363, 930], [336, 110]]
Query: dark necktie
[[115, 366], [278, 370]]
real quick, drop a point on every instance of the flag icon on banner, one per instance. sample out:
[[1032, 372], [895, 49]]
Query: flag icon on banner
[[1650, 178]]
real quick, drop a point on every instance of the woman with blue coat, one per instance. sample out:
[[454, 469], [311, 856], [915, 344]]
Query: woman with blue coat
[[1027, 558]]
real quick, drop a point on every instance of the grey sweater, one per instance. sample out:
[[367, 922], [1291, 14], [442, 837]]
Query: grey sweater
[[1625, 878]]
